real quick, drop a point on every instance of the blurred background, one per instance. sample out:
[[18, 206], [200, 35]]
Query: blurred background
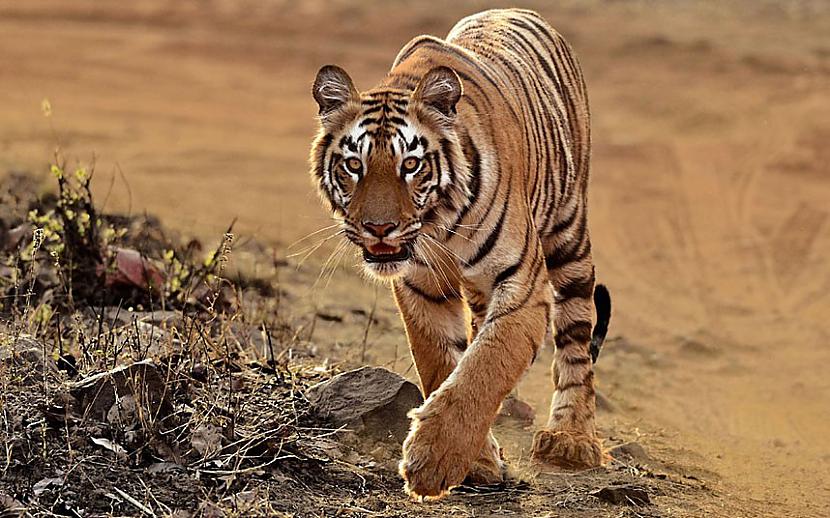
[[709, 202]]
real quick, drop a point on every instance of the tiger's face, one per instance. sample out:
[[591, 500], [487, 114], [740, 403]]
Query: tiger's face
[[388, 162]]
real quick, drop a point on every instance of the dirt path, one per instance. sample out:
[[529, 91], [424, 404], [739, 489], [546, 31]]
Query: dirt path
[[709, 201]]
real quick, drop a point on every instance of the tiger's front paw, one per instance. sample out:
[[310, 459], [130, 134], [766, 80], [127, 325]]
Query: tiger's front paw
[[567, 449], [436, 456]]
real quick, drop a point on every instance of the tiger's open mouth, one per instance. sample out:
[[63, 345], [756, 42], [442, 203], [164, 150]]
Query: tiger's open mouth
[[384, 253]]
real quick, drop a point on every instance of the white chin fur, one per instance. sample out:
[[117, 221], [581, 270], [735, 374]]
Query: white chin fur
[[387, 271]]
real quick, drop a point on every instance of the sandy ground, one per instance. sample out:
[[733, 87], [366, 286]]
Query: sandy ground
[[711, 182]]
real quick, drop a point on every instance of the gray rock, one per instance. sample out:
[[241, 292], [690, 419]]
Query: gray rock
[[627, 494], [516, 410], [148, 331], [10, 238], [115, 317], [10, 507], [371, 401], [630, 451], [26, 358], [604, 404], [22, 348], [145, 382]]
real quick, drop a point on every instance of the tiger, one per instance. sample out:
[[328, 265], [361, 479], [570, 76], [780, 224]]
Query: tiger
[[462, 179]]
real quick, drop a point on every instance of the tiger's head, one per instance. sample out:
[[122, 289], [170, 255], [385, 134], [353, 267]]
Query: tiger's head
[[389, 163]]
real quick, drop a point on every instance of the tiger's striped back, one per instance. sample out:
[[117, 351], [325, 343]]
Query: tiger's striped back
[[522, 80]]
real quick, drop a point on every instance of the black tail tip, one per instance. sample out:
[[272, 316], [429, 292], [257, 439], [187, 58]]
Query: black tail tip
[[602, 303]]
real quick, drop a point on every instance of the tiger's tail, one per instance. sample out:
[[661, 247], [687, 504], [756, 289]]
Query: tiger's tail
[[602, 303]]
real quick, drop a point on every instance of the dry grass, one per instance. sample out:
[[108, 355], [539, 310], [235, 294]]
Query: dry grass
[[100, 398]]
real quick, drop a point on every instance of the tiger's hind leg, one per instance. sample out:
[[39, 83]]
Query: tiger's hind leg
[[569, 438]]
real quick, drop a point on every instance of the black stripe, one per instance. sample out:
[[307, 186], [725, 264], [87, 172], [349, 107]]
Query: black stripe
[[578, 331], [576, 287], [474, 159], [374, 109], [571, 252], [323, 147], [460, 344], [569, 386], [507, 273], [442, 48], [477, 308], [567, 222], [512, 269], [469, 81], [448, 153], [579, 360], [537, 268], [435, 299], [485, 248]]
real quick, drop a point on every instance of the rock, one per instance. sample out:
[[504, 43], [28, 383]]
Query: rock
[[604, 404], [371, 401], [26, 356], [44, 484], [150, 332], [152, 341], [96, 395], [207, 440], [123, 412], [10, 507], [14, 236], [199, 372], [132, 269], [514, 408], [630, 451], [120, 317], [164, 467], [627, 494]]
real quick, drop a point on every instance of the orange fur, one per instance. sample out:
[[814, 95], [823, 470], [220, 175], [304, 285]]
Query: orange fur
[[463, 178]]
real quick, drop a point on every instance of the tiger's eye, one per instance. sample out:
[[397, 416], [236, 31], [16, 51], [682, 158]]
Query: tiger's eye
[[410, 164], [354, 165]]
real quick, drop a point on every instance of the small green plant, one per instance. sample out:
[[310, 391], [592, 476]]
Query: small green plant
[[76, 256], [75, 239]]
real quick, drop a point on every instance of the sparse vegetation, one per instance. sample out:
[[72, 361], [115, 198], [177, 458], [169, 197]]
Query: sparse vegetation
[[125, 353]]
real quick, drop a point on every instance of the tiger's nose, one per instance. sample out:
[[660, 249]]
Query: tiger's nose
[[379, 229]]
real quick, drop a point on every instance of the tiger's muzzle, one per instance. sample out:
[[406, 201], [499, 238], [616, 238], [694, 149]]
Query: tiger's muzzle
[[387, 248]]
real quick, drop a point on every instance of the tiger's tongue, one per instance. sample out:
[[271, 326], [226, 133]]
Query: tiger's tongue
[[383, 249]]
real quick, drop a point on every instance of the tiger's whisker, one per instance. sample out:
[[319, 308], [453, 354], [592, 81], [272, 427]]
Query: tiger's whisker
[[311, 234]]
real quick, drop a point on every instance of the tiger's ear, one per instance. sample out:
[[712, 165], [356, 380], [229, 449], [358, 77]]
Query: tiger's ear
[[440, 89], [333, 88]]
